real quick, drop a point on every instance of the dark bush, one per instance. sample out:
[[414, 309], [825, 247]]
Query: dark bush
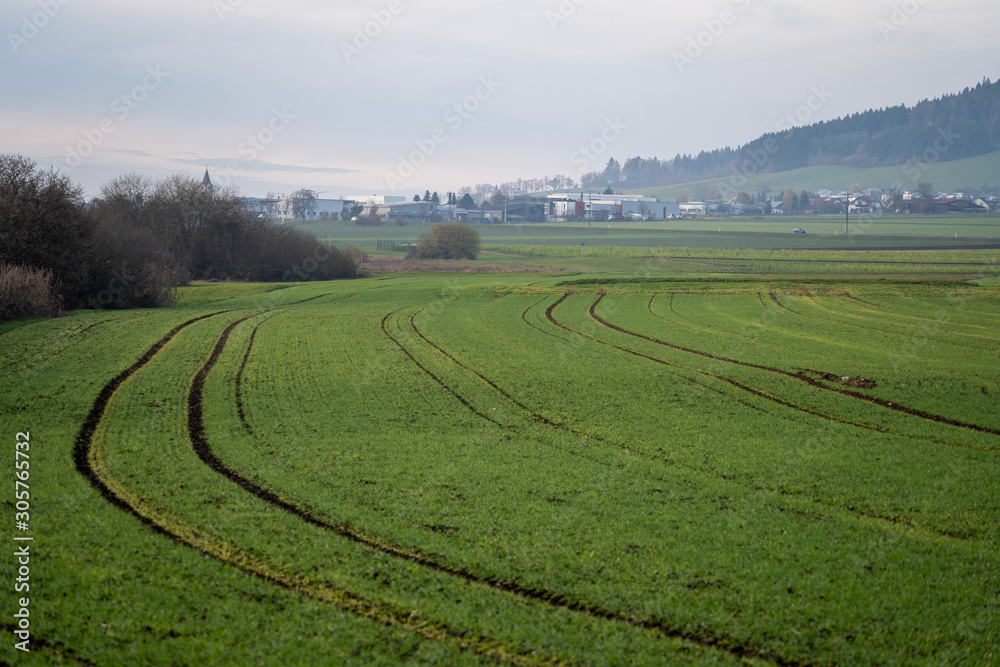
[[369, 218], [131, 268]]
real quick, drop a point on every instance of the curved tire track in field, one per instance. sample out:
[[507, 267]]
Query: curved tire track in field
[[867, 303], [552, 598], [37, 642], [524, 316], [866, 325], [461, 399], [653, 312], [775, 299], [534, 416], [239, 380], [546, 422], [91, 469], [722, 378], [846, 508], [468, 404], [802, 377]]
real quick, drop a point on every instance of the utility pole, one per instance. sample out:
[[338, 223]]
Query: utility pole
[[847, 214]]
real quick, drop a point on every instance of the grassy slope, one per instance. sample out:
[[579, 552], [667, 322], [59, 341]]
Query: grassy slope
[[728, 516], [970, 172]]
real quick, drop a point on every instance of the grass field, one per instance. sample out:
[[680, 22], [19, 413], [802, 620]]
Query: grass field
[[948, 176], [621, 461], [823, 232]]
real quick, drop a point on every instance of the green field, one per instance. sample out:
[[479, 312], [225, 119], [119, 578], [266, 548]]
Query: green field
[[823, 232], [638, 457], [948, 176]]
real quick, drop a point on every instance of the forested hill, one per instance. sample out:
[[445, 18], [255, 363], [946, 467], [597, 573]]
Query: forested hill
[[953, 127]]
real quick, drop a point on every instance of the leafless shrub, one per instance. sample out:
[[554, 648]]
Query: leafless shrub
[[26, 293]]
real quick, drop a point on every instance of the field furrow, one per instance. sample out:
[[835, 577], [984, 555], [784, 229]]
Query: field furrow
[[471, 469], [813, 382]]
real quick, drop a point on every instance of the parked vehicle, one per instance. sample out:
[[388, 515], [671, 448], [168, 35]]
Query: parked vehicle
[[798, 230]]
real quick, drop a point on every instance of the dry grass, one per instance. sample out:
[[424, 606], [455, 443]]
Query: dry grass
[[26, 293]]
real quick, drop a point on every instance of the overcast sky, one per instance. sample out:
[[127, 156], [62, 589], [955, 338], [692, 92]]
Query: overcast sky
[[384, 95]]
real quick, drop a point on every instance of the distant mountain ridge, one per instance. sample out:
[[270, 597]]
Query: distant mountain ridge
[[953, 127]]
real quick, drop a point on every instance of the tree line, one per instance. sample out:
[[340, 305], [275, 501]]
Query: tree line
[[138, 241]]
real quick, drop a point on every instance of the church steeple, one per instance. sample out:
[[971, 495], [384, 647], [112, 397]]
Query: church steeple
[[206, 183]]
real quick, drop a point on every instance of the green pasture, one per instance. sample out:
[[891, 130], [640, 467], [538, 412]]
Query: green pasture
[[823, 232], [619, 461]]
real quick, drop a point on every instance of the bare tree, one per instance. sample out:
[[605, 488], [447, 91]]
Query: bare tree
[[43, 224], [303, 203]]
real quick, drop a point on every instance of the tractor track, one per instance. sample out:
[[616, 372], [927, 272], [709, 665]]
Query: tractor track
[[722, 378], [468, 404], [774, 298], [92, 469], [838, 318], [239, 380], [729, 479], [802, 377], [551, 598], [71, 338], [652, 311], [534, 416], [461, 399], [524, 316], [756, 486], [36, 642], [867, 303]]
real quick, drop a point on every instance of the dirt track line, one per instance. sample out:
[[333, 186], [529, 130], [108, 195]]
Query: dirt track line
[[673, 322], [774, 297], [468, 404], [37, 642], [524, 316], [850, 509], [434, 377], [801, 377], [551, 598], [239, 379], [93, 468], [722, 378], [536, 417], [867, 303]]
